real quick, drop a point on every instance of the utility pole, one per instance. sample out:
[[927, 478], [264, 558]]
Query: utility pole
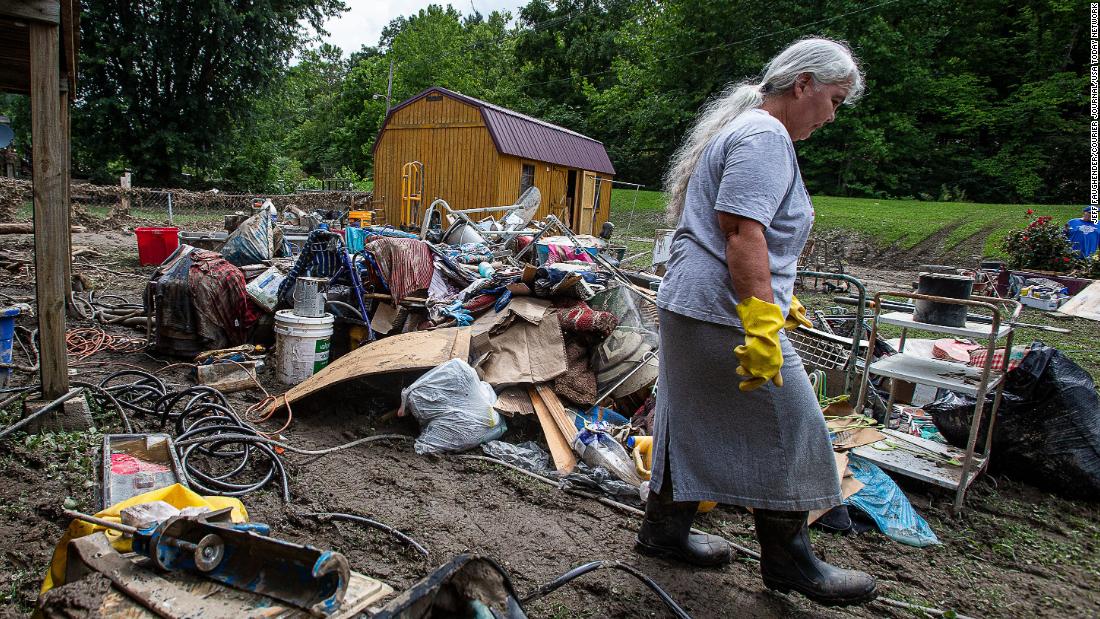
[[389, 87]]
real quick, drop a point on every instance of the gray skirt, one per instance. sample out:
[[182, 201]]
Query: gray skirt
[[768, 448]]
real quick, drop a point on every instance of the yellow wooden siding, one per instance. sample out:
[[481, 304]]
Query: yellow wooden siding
[[605, 203], [454, 145], [461, 164]]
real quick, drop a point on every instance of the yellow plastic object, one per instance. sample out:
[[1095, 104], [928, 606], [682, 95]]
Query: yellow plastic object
[[643, 455], [360, 218], [761, 356], [357, 336], [175, 495], [643, 462], [797, 316]]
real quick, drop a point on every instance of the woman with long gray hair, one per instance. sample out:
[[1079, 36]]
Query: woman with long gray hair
[[737, 421]]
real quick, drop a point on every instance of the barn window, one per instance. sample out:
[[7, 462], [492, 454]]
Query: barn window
[[526, 177]]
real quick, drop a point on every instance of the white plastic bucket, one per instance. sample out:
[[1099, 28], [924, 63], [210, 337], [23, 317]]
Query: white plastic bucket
[[302, 345]]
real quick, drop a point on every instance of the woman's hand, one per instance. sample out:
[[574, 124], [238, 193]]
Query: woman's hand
[[747, 260], [761, 356], [797, 316]]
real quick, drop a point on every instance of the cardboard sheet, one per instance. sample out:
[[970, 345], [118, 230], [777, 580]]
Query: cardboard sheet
[[383, 319], [521, 345], [1084, 304], [407, 352], [514, 401], [849, 485], [850, 439]]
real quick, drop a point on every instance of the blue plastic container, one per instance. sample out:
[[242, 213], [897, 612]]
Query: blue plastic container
[[7, 334]]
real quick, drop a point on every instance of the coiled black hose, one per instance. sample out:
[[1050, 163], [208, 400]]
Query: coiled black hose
[[220, 453]]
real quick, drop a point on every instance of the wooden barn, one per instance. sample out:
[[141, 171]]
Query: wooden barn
[[473, 154]]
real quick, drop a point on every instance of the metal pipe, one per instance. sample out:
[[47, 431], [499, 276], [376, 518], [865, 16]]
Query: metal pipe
[[107, 524], [42, 411], [645, 359]]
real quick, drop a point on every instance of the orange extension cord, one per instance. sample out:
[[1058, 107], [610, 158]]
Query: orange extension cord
[[87, 341]]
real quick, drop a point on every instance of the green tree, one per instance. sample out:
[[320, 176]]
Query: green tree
[[162, 84]]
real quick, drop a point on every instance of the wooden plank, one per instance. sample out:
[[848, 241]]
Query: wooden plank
[[562, 418], [560, 450], [51, 214], [1084, 304], [40, 11]]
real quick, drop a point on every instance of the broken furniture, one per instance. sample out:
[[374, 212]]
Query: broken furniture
[[920, 458]]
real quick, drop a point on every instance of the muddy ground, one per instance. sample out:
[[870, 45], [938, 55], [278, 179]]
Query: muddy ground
[[1015, 552]]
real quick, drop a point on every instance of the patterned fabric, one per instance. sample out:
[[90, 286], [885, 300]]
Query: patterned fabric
[[469, 253], [406, 264], [218, 296], [567, 253], [977, 357], [576, 316]]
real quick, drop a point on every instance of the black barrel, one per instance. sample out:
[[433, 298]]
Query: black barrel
[[943, 285]]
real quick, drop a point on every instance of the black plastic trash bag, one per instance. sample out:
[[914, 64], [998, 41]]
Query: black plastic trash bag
[[1047, 431]]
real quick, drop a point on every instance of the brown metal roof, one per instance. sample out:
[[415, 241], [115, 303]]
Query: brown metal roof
[[523, 136]]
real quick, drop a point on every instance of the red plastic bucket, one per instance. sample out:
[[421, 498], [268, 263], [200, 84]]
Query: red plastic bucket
[[156, 244]]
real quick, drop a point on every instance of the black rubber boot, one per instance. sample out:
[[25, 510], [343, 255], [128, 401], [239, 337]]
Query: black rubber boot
[[666, 532], [788, 562]]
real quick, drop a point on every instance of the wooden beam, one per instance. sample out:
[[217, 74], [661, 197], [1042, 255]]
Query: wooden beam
[[44, 11], [51, 214], [560, 449]]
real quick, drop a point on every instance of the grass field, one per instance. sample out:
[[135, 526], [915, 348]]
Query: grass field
[[904, 222]]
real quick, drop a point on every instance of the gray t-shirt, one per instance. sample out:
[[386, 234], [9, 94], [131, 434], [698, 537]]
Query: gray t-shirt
[[749, 169]]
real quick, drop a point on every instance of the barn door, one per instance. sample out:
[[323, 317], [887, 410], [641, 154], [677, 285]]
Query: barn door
[[587, 214], [559, 190]]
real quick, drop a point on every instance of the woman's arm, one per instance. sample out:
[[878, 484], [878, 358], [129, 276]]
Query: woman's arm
[[747, 257]]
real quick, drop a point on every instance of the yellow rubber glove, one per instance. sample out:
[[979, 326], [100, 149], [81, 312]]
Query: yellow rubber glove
[[797, 316], [761, 356]]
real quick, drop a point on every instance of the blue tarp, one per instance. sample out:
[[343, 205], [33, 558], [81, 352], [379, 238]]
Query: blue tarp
[[882, 500]]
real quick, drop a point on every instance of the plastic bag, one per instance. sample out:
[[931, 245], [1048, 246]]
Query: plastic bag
[[599, 449], [527, 456], [254, 241], [1047, 431], [882, 500], [454, 408], [597, 478]]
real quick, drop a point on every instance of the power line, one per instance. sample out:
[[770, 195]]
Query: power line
[[717, 47]]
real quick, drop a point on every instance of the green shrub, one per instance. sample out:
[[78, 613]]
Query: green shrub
[[1041, 245]]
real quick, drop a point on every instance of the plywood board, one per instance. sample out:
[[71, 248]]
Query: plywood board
[[362, 592], [1084, 304], [417, 351]]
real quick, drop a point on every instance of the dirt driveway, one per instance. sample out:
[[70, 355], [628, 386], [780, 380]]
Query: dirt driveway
[[1016, 552]]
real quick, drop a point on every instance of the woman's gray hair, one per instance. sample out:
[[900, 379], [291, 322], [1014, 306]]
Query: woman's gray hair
[[828, 61]]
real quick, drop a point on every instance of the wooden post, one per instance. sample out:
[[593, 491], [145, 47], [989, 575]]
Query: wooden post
[[51, 213], [66, 189]]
